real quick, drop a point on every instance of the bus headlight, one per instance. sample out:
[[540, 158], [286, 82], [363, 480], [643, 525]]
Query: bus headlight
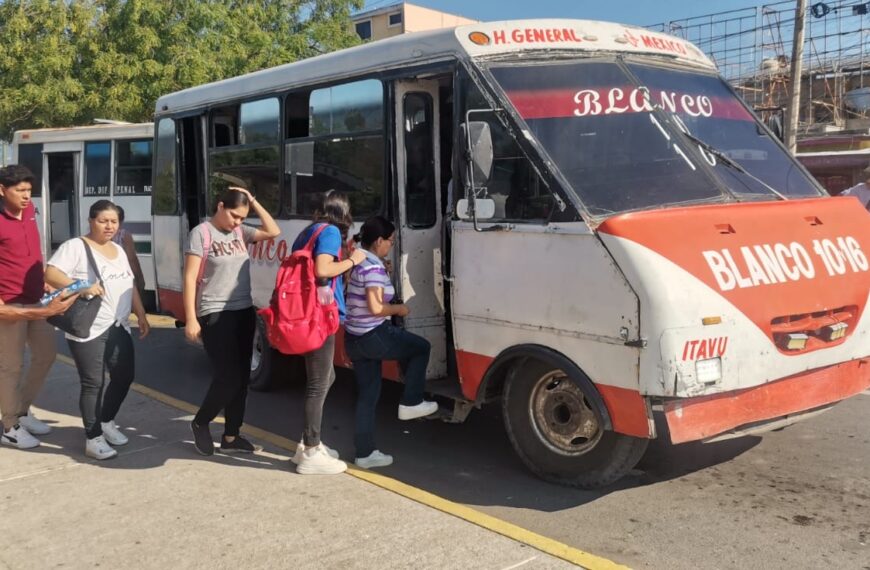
[[835, 331], [709, 370]]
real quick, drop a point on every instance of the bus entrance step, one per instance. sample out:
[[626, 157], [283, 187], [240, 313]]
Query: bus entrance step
[[449, 388], [446, 387]]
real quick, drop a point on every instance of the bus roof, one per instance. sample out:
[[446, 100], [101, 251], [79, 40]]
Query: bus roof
[[87, 133], [474, 40]]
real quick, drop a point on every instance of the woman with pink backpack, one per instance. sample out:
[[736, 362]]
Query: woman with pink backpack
[[219, 309], [329, 232]]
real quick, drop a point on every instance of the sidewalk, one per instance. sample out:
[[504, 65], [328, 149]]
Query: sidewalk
[[159, 504]]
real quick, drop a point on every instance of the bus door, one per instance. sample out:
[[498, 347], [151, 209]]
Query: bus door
[[178, 201], [417, 254], [62, 184]]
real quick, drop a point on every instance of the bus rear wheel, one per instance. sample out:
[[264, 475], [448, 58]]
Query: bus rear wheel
[[262, 360], [557, 434]]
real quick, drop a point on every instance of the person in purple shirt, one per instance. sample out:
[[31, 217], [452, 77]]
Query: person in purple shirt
[[370, 338]]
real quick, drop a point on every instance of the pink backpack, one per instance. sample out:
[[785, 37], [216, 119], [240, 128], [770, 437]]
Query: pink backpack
[[296, 323]]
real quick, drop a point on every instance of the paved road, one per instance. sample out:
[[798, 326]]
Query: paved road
[[799, 498]]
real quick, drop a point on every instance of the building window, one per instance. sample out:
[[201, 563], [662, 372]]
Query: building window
[[364, 30], [133, 167], [98, 169], [396, 19]]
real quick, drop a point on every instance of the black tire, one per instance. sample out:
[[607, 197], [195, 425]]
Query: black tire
[[262, 361], [556, 433]]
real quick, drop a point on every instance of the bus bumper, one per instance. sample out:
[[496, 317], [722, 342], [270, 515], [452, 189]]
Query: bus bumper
[[708, 416]]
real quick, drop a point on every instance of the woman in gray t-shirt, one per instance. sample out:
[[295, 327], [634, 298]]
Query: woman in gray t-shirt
[[218, 308]]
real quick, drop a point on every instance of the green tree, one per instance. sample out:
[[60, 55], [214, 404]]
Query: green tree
[[66, 62]]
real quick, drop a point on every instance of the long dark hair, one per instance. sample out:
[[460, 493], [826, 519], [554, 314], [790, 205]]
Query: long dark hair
[[335, 210], [101, 206], [232, 199], [374, 228]]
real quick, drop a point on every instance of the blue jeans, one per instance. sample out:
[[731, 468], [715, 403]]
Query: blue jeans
[[367, 352]]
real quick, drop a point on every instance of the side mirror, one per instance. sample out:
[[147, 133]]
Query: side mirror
[[478, 139], [484, 209]]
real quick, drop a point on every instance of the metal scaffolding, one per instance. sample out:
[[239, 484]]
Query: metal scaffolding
[[752, 48]]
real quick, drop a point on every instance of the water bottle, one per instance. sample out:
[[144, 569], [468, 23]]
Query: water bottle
[[73, 287], [325, 296]]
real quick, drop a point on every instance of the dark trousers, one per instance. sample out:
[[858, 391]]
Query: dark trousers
[[367, 352], [320, 374], [112, 351], [228, 338]]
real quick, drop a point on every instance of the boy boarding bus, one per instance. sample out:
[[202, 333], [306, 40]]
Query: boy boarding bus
[[593, 228], [77, 166]]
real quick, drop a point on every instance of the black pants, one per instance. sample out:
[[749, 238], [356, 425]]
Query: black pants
[[112, 351], [228, 338], [321, 374]]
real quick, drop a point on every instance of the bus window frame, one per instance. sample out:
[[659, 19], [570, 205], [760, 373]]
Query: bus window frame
[[567, 206], [385, 132], [210, 147], [116, 168], [176, 159]]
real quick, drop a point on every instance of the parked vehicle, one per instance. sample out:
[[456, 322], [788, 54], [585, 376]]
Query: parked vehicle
[[593, 228]]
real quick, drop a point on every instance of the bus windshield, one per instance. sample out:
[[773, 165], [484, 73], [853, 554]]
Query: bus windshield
[[596, 121]]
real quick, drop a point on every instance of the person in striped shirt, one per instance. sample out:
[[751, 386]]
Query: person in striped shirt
[[370, 338]]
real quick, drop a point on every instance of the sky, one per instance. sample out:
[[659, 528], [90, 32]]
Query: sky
[[638, 12]]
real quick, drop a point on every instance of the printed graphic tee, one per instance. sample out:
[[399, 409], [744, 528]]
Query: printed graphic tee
[[226, 282], [72, 259]]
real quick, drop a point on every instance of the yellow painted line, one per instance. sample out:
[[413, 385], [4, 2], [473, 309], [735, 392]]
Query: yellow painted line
[[488, 522]]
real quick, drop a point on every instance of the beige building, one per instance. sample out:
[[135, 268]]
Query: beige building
[[403, 18]]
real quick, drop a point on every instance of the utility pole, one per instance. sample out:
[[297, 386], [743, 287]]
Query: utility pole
[[793, 110]]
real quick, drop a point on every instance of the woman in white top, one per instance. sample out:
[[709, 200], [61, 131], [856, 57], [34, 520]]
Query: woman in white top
[[108, 344]]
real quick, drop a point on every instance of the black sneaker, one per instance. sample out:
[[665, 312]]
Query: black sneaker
[[239, 445], [202, 440]]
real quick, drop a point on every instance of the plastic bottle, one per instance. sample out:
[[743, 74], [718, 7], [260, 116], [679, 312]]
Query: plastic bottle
[[68, 290], [325, 296]]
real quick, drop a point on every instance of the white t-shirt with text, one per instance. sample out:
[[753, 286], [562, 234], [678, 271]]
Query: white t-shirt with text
[[117, 277]]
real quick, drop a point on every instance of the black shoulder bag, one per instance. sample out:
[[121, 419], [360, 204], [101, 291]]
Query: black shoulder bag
[[79, 318]]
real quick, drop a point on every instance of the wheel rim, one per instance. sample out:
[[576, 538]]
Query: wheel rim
[[561, 415], [257, 355]]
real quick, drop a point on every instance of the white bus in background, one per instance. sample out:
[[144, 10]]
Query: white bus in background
[[77, 166], [623, 238]]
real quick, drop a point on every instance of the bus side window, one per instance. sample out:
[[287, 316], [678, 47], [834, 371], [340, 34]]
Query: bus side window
[[520, 195], [164, 198], [246, 151], [335, 140]]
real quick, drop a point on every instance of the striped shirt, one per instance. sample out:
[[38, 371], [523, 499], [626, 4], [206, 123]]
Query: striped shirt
[[370, 273]]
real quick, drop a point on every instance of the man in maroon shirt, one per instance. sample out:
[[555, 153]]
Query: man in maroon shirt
[[21, 284]]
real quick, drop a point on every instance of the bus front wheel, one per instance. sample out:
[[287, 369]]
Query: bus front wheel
[[558, 435]]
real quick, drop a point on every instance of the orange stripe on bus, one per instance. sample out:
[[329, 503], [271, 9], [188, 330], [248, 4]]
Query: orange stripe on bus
[[707, 416]]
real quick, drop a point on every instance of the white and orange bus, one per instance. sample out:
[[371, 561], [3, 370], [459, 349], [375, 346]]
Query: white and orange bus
[[593, 228], [76, 166]]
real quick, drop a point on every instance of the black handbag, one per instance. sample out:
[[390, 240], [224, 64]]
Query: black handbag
[[79, 318]]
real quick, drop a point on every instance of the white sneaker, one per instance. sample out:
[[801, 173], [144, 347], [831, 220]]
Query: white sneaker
[[376, 459], [300, 447], [317, 461], [19, 437], [421, 410], [33, 425], [98, 448], [112, 434]]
